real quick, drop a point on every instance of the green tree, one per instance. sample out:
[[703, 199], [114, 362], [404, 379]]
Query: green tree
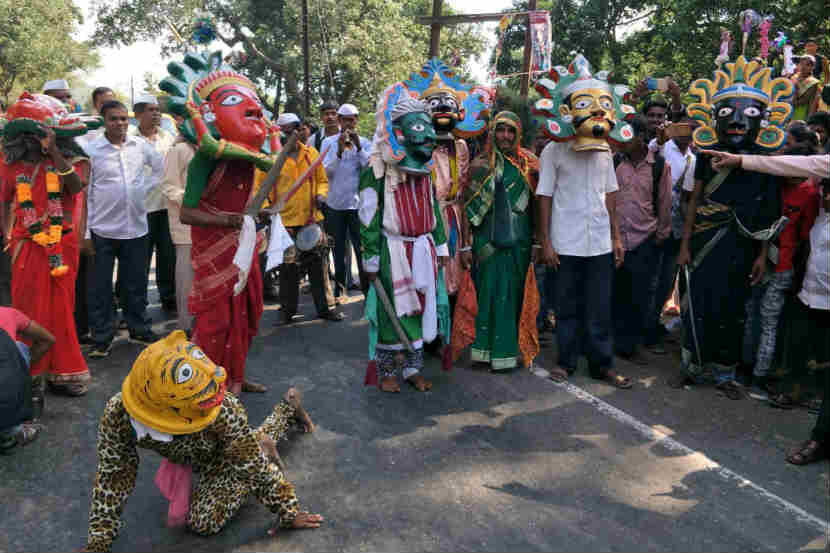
[[36, 44], [356, 46], [678, 38]]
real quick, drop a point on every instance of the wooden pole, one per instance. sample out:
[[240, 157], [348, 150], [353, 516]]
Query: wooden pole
[[526, 65], [307, 76], [435, 29]]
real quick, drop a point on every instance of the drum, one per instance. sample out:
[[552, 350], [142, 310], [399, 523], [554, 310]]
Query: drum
[[308, 237]]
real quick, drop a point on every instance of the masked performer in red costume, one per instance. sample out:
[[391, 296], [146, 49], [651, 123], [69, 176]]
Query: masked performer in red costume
[[42, 172], [224, 117]]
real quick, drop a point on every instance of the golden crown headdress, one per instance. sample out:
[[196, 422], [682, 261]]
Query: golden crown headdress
[[743, 79]]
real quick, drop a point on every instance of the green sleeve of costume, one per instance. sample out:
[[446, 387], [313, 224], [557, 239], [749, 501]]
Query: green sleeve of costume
[[370, 235], [439, 233], [198, 173]]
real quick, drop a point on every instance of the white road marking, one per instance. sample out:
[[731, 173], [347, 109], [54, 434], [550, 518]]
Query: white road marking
[[673, 445]]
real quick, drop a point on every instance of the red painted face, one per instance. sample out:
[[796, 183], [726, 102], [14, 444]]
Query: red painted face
[[239, 116]]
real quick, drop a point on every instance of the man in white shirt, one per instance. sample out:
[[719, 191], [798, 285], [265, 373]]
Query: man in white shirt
[[146, 109], [578, 233], [673, 143], [347, 156], [117, 225]]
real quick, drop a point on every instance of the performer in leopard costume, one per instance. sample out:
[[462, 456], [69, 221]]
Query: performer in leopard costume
[[173, 402]]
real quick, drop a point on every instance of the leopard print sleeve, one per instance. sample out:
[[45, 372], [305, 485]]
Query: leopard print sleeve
[[242, 451], [115, 479]]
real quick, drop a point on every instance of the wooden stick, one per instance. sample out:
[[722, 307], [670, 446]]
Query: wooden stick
[[280, 203], [393, 316], [255, 205]]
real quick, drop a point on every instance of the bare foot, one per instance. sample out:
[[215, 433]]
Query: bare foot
[[295, 398], [419, 383], [558, 374], [269, 448], [390, 384], [248, 386]]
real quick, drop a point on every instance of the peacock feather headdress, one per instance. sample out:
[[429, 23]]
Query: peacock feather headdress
[[742, 79], [193, 79]]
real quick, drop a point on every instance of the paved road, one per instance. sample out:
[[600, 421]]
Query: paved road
[[483, 462]]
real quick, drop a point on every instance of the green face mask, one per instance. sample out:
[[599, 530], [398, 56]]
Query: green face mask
[[417, 134]]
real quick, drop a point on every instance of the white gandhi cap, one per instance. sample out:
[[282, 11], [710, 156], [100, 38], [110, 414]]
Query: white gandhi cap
[[57, 84], [146, 99], [347, 109]]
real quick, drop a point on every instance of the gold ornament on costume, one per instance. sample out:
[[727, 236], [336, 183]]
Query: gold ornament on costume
[[742, 81], [174, 387]]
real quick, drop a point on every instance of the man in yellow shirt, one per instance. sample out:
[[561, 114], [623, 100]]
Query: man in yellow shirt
[[301, 210]]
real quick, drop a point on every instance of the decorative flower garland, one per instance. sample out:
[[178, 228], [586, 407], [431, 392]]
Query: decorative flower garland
[[51, 238]]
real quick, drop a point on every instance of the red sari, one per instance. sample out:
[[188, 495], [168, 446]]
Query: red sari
[[46, 299], [225, 325]]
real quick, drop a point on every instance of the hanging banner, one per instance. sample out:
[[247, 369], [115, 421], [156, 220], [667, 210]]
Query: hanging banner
[[504, 22], [540, 41]]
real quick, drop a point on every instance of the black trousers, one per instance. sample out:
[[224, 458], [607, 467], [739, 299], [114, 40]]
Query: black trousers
[[159, 241], [821, 431], [295, 265], [583, 300], [632, 284], [343, 225]]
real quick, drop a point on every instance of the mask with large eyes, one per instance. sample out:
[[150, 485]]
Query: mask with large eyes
[[445, 112], [738, 122], [592, 115], [417, 134], [237, 114], [174, 387]]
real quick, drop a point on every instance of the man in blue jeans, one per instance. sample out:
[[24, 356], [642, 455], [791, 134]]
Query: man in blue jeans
[[117, 226]]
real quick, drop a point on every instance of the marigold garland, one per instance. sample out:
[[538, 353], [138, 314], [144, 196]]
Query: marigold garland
[[49, 238]]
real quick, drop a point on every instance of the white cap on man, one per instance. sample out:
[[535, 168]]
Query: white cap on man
[[288, 118], [57, 84], [146, 99], [347, 110]]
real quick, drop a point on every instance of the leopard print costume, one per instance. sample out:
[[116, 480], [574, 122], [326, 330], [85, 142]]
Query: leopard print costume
[[226, 455]]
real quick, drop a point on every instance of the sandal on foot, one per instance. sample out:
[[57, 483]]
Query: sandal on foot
[[419, 383], [618, 380], [558, 375], [731, 389], [809, 452], [814, 405], [782, 401], [680, 380], [390, 384], [253, 387]]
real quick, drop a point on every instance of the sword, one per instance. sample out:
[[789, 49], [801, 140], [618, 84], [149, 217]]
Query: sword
[[390, 312], [692, 312]]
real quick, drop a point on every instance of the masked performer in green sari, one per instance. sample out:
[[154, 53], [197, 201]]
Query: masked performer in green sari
[[498, 208]]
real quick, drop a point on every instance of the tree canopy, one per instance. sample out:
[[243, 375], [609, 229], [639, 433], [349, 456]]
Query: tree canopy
[[356, 46], [36, 44], [678, 38]]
